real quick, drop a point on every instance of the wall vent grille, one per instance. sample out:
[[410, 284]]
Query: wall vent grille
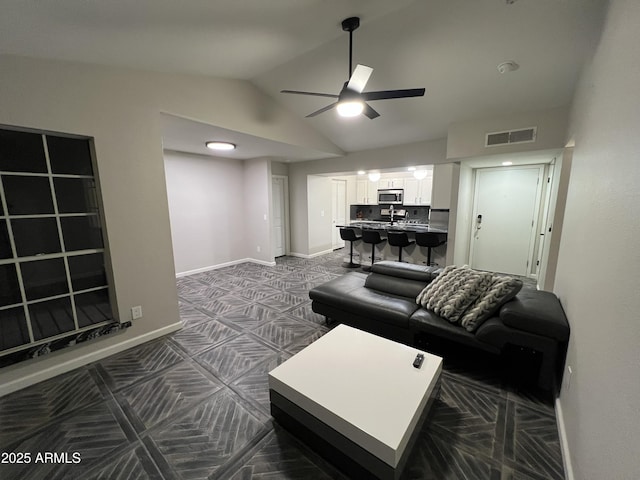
[[523, 135]]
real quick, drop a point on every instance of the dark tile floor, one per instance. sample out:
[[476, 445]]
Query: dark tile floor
[[195, 404]]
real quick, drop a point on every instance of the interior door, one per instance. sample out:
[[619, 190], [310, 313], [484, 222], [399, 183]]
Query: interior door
[[505, 213], [339, 209], [278, 226]]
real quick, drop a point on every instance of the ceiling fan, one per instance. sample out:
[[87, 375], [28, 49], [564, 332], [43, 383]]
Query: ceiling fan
[[351, 101]]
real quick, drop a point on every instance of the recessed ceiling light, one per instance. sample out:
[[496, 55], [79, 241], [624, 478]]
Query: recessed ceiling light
[[506, 164], [412, 169], [374, 176], [215, 145], [361, 172]]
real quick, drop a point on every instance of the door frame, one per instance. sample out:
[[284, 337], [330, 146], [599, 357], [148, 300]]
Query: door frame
[[336, 240], [536, 213], [285, 204]]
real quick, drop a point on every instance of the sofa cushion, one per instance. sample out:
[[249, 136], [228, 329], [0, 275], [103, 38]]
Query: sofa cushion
[[500, 291], [451, 293], [420, 273], [349, 294], [425, 321], [536, 311]]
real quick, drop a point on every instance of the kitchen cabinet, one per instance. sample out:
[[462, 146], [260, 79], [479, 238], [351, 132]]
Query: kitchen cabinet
[[391, 182], [444, 175], [366, 192], [418, 192]]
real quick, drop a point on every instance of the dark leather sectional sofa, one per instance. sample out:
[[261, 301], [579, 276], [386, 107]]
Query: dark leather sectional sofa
[[383, 302]]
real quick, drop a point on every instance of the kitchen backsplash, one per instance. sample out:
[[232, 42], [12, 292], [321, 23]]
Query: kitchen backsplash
[[372, 212]]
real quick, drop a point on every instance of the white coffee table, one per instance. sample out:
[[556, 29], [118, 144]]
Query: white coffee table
[[357, 399]]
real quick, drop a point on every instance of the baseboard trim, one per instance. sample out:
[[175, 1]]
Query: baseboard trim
[[313, 255], [225, 264], [82, 359], [564, 442]]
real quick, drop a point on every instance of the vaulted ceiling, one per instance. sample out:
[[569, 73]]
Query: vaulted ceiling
[[450, 47]]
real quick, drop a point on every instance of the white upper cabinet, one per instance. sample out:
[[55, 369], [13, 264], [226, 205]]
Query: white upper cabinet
[[418, 192], [391, 182], [366, 192]]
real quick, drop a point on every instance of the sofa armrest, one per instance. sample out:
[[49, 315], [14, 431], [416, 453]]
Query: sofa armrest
[[537, 312]]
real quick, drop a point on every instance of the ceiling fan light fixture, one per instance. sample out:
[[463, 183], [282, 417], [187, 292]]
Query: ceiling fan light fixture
[[350, 108], [217, 145]]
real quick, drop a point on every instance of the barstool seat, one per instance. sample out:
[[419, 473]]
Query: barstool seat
[[430, 240], [373, 237], [400, 240], [349, 235]]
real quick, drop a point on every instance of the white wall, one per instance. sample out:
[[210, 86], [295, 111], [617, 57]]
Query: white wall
[[463, 216], [120, 109], [206, 201], [467, 139], [320, 200], [257, 210], [598, 274]]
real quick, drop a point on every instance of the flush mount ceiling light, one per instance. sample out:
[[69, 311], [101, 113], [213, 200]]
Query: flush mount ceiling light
[[374, 176], [509, 66], [216, 145]]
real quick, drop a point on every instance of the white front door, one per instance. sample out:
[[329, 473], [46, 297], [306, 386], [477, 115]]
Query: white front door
[[339, 209], [278, 227], [505, 213]]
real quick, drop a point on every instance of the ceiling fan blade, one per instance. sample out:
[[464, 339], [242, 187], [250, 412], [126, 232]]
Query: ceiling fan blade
[[359, 78], [370, 112], [314, 94], [385, 94], [322, 110]]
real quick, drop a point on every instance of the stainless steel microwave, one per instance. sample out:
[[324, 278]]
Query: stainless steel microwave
[[391, 196]]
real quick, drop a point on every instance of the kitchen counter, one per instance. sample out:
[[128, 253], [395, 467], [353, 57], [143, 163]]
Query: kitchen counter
[[386, 226]]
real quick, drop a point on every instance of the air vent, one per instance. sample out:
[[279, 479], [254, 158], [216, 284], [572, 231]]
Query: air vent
[[525, 135]]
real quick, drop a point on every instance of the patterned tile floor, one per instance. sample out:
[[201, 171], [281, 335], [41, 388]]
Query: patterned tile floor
[[194, 404]]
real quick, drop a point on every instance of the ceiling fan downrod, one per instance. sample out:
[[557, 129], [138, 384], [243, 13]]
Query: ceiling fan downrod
[[349, 25]]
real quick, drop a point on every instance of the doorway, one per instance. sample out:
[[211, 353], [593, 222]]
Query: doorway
[[505, 215], [279, 196]]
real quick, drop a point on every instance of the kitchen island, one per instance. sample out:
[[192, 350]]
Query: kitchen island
[[411, 254]]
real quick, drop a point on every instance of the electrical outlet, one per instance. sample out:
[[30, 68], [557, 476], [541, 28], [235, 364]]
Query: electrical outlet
[[258, 249], [136, 312]]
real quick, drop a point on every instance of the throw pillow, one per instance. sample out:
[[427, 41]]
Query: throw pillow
[[422, 298], [501, 290], [454, 291]]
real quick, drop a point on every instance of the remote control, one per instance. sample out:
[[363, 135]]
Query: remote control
[[418, 361]]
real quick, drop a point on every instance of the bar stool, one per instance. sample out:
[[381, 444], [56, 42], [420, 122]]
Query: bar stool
[[349, 235], [373, 237], [400, 240], [430, 240]]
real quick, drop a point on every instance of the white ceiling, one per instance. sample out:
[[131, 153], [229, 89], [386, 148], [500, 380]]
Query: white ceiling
[[450, 47]]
